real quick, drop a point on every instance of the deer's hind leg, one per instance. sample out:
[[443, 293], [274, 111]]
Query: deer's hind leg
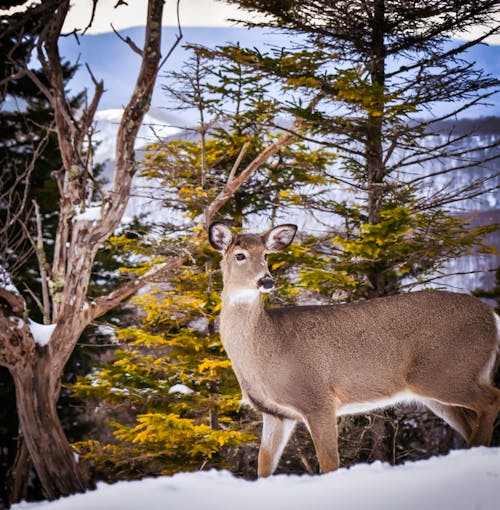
[[486, 416], [275, 434], [482, 399], [458, 418]]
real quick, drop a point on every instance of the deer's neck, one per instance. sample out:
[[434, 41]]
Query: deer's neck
[[242, 316], [244, 297], [244, 328]]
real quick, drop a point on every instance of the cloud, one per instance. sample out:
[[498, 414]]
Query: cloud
[[198, 13]]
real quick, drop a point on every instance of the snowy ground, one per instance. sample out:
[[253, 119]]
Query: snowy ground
[[462, 480]]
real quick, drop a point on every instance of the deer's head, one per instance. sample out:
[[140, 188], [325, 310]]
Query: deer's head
[[244, 266]]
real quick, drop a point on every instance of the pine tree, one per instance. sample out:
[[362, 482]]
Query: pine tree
[[177, 342], [383, 69], [390, 234]]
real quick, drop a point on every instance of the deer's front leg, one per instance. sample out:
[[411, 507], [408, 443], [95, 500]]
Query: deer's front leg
[[323, 429], [275, 434]]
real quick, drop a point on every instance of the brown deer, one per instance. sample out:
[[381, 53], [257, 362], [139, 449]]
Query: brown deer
[[314, 363]]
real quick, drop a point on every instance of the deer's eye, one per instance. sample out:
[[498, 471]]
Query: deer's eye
[[240, 256]]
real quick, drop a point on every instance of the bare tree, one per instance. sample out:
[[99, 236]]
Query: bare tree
[[34, 354], [36, 358]]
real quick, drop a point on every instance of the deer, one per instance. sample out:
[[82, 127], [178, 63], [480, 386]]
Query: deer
[[314, 363]]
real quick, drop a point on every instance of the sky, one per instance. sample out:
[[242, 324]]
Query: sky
[[196, 13], [208, 13], [203, 22]]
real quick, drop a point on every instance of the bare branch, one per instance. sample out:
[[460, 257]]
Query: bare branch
[[89, 112], [92, 16], [237, 163], [103, 304], [42, 264], [128, 41], [177, 39], [34, 297], [234, 185], [14, 192]]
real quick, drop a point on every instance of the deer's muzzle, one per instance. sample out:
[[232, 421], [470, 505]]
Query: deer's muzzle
[[266, 284]]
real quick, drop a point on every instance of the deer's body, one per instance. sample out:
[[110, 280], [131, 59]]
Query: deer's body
[[334, 344], [314, 363]]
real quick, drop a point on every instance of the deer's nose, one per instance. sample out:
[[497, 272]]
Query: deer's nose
[[266, 284]]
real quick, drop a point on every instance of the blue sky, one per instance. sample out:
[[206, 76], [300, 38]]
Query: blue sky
[[112, 61]]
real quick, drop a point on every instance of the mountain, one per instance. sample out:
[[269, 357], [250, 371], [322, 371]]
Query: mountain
[[157, 125], [483, 209], [117, 65]]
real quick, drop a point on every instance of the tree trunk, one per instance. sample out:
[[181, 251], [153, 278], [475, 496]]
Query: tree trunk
[[16, 485], [374, 139], [36, 369], [54, 461], [36, 375]]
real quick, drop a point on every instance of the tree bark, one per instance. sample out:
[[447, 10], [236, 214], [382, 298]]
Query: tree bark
[[16, 485], [55, 462], [374, 139]]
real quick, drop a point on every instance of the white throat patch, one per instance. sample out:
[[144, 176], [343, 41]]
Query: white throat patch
[[244, 296]]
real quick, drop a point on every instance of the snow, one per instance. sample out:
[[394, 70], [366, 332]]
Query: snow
[[6, 282], [462, 480], [153, 128], [180, 388], [41, 332], [90, 214], [156, 126]]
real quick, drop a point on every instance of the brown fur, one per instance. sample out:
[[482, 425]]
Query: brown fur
[[307, 363]]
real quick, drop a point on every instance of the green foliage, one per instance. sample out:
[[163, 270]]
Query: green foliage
[[391, 229], [236, 122]]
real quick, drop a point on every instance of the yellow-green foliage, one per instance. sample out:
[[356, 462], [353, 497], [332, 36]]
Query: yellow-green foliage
[[175, 344], [406, 243]]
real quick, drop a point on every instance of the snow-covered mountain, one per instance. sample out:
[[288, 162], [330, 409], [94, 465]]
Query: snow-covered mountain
[[483, 209], [157, 125]]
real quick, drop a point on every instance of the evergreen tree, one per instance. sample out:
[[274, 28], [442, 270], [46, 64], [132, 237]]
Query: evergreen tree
[[174, 382], [384, 69], [177, 342], [390, 76]]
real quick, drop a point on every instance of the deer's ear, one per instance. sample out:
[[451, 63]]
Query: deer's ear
[[278, 238], [220, 236]]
